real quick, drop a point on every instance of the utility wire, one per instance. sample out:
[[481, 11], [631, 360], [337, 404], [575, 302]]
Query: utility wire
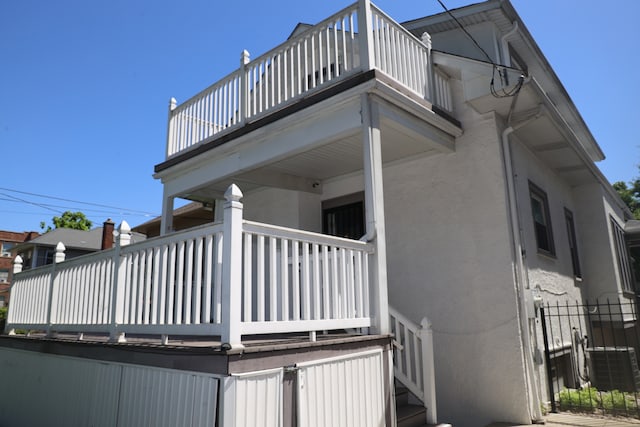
[[30, 203], [66, 207], [501, 93], [466, 32], [70, 200]]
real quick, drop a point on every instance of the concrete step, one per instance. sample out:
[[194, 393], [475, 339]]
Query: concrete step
[[410, 415]]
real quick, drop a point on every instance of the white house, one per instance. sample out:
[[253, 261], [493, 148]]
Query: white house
[[461, 183]]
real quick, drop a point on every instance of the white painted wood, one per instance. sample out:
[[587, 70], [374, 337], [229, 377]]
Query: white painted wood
[[414, 359], [374, 211], [288, 281], [232, 268]]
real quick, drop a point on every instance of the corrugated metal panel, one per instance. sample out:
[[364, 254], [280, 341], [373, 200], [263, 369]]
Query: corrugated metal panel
[[66, 391], [254, 399], [159, 397], [346, 391], [78, 392]]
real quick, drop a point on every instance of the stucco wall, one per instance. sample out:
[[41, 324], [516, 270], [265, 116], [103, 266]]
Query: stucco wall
[[449, 259]]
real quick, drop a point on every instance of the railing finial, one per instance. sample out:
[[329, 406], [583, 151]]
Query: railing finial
[[124, 233], [426, 39], [244, 57], [233, 193], [59, 256], [17, 264], [173, 103]]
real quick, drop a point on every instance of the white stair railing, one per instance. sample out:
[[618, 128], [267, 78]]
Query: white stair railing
[[413, 359]]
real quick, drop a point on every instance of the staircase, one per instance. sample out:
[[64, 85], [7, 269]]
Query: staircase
[[414, 372], [410, 414]]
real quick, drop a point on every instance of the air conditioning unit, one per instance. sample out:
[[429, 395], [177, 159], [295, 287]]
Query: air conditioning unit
[[614, 368], [6, 255]]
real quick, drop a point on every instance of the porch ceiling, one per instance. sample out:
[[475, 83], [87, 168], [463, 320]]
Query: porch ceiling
[[305, 171]]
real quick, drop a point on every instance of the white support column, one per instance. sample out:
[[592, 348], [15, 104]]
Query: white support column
[[365, 35], [428, 371], [232, 268], [119, 282], [166, 222], [374, 212]]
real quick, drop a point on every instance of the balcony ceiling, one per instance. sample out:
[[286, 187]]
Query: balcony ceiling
[[403, 136]]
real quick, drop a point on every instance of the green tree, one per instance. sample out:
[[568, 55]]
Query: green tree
[[630, 194], [68, 219]]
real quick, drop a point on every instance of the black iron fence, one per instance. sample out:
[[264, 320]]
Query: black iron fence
[[591, 357]]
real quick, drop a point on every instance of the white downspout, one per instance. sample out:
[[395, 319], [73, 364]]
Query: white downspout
[[521, 276]]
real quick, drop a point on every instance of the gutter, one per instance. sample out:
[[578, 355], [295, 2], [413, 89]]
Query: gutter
[[521, 278]]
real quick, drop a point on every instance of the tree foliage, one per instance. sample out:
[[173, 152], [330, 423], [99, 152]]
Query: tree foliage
[[68, 219], [630, 194]]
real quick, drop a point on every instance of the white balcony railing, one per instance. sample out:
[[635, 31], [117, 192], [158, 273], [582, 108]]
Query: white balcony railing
[[356, 39], [227, 279]]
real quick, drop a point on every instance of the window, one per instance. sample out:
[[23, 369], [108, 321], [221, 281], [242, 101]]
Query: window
[[344, 216], [624, 267], [573, 247], [6, 248], [4, 276], [541, 220]]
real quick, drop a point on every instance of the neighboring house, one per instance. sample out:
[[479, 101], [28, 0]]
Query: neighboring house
[[41, 250], [472, 181], [8, 240], [187, 216]]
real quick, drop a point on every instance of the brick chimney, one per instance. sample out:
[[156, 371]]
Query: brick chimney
[[107, 234]]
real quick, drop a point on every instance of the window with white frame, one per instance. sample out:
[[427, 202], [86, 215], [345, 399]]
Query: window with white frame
[[4, 275], [622, 255], [541, 220]]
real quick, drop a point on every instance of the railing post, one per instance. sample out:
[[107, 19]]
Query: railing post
[[119, 282], [170, 134], [431, 95], [53, 294], [244, 87], [232, 268], [365, 36], [428, 371], [17, 268]]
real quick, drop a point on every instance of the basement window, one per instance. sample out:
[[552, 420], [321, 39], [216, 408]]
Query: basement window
[[541, 220]]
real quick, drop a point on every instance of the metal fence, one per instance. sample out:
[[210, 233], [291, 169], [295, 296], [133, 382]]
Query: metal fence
[[591, 352]]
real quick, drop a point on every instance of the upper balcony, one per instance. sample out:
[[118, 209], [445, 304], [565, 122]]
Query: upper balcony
[[358, 39]]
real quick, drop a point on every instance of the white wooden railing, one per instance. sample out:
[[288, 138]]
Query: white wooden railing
[[227, 279], [413, 362], [358, 38]]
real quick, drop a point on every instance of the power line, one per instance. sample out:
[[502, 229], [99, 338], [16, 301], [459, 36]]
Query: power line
[[466, 32], [66, 207], [71, 201], [30, 203], [501, 93]]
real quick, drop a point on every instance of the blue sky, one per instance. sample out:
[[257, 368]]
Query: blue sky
[[85, 86]]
